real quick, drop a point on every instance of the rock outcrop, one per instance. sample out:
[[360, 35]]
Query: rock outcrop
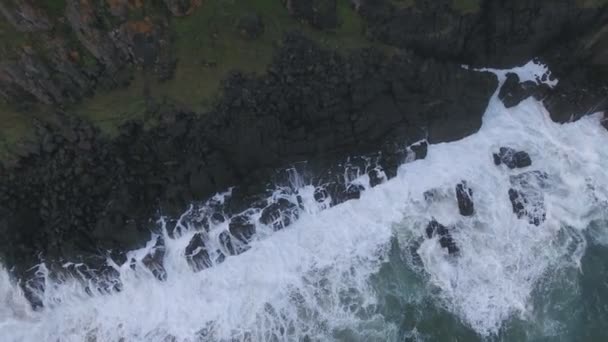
[[464, 197], [78, 193], [572, 38], [25, 16], [59, 69], [436, 229], [511, 158]]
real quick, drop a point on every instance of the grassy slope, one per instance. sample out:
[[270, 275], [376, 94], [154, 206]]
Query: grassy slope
[[208, 47]]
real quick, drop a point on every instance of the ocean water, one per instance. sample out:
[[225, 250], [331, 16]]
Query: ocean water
[[365, 270]]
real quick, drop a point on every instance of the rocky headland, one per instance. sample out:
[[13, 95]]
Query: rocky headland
[[72, 191]]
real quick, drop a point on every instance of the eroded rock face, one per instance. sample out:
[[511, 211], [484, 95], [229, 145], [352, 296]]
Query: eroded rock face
[[197, 254], [572, 39], [25, 16], [480, 35], [88, 24], [57, 79]]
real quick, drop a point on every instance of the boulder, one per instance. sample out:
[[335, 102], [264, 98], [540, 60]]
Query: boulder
[[376, 176], [513, 92], [511, 158], [464, 196], [435, 228], [527, 198]]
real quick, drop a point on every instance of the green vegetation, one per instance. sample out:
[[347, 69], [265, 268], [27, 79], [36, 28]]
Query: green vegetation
[[466, 6], [55, 8], [208, 46], [13, 128]]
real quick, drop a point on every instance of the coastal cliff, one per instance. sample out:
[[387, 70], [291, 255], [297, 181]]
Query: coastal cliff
[[331, 79]]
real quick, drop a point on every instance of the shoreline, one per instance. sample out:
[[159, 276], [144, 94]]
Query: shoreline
[[74, 192]]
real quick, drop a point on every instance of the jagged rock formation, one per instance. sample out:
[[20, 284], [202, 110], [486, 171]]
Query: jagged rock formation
[[74, 193], [91, 194], [60, 70]]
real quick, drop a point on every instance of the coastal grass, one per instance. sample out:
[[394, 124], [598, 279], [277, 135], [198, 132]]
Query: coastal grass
[[15, 126], [208, 47]]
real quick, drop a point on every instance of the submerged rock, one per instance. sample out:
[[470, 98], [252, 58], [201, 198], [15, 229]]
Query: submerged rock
[[435, 228], [464, 196], [511, 158], [527, 198]]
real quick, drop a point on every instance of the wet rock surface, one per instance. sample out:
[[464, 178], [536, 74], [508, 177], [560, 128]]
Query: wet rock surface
[[513, 91], [526, 196], [464, 196], [511, 158], [446, 241]]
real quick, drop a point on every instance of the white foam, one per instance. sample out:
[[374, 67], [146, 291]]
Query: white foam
[[313, 278]]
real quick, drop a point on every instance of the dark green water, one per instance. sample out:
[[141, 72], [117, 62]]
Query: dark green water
[[569, 304]]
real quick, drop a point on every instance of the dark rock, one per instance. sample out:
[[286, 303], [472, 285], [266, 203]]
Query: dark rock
[[241, 228], [513, 92], [420, 149], [527, 197], [320, 194], [435, 228], [154, 260], [226, 242], [464, 196], [353, 191], [511, 158], [375, 177], [197, 254], [250, 26], [279, 214]]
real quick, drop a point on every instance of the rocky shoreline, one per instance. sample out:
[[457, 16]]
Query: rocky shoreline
[[76, 194]]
